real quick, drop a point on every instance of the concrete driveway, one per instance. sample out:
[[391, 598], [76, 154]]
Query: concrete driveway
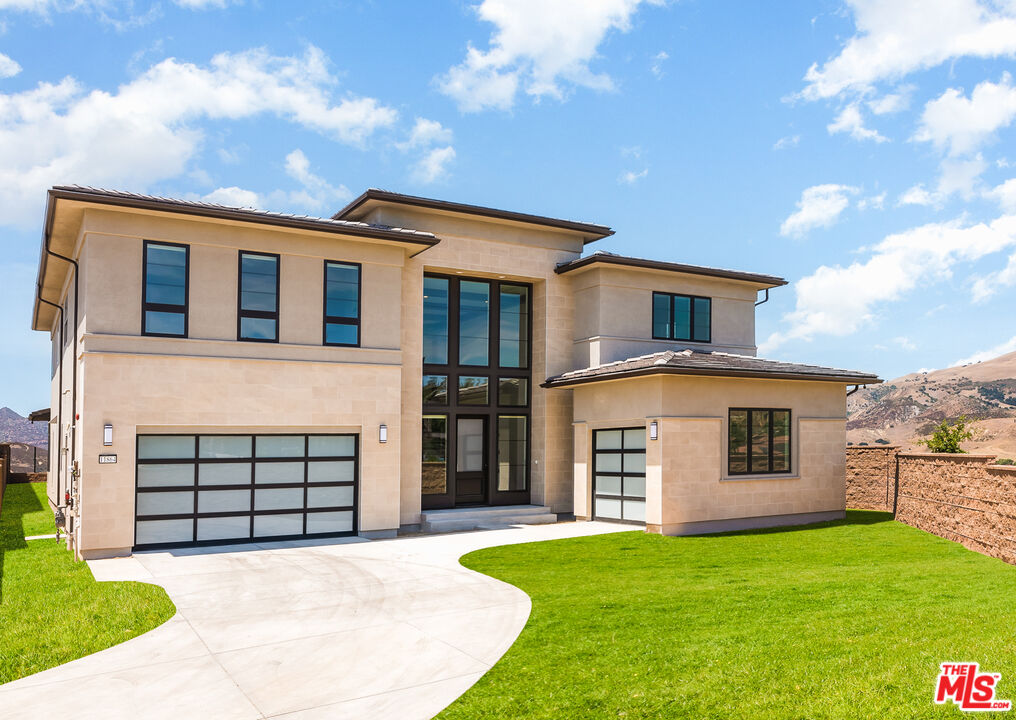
[[300, 630]]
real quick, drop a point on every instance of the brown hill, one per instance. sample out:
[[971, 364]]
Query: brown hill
[[906, 409], [17, 429]]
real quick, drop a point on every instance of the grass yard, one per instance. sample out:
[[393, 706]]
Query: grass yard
[[51, 609], [847, 619]]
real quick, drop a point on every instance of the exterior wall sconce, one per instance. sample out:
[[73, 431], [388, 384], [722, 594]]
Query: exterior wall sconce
[[107, 434], [382, 434], [654, 431]]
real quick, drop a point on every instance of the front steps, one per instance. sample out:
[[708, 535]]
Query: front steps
[[484, 518]]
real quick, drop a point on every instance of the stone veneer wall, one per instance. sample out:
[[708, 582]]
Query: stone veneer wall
[[965, 498]]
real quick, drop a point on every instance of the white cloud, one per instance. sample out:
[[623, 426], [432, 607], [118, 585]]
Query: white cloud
[[850, 121], [8, 67], [958, 125], [905, 343], [896, 38], [787, 142], [872, 202], [630, 177], [148, 129], [433, 166], [892, 102], [233, 197], [537, 46], [1007, 347], [426, 133], [819, 206], [1004, 195], [955, 176], [658, 60], [840, 300], [317, 193], [917, 195], [204, 4]]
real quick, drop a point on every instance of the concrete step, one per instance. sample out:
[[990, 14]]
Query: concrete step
[[485, 518]]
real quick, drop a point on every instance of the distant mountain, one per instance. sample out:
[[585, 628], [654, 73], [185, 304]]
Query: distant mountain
[[908, 408], [17, 429]]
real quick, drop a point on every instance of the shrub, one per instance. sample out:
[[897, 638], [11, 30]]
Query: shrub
[[1005, 461], [882, 441], [947, 438]]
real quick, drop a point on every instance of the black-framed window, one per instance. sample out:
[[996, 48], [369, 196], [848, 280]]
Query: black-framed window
[[342, 303], [258, 301], [758, 441], [164, 296], [682, 317]]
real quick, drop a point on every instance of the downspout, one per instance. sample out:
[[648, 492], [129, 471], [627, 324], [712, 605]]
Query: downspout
[[856, 388], [59, 364], [763, 301]]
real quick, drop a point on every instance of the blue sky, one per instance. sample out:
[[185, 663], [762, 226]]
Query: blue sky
[[863, 150]]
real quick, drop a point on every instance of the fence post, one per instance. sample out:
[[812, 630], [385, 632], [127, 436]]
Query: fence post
[[896, 485]]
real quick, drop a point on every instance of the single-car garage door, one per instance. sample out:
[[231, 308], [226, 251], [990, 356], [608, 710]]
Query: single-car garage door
[[206, 489], [619, 475]]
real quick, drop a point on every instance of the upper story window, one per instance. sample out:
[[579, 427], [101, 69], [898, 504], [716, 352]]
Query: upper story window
[[435, 320], [164, 296], [258, 312], [682, 317], [342, 304], [758, 441], [474, 323]]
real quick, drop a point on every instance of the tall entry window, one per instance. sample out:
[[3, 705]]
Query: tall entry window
[[476, 391], [258, 313], [342, 304], [164, 304]]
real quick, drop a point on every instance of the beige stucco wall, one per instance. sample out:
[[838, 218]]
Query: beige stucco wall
[[614, 312], [686, 475]]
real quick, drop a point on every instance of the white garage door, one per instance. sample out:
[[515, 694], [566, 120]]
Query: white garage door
[[619, 475], [207, 489]]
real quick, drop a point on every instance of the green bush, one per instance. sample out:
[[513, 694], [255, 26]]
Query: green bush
[[1005, 461], [882, 441], [947, 438]]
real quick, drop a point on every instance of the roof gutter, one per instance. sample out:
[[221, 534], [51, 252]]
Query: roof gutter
[[705, 372]]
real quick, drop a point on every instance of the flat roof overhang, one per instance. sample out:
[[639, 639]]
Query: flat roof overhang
[[763, 281], [561, 382]]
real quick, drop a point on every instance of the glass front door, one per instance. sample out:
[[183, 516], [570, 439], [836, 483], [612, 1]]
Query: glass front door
[[477, 383]]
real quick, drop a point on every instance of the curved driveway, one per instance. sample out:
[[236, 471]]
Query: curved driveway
[[300, 630]]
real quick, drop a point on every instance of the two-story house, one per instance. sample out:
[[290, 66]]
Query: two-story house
[[229, 375]]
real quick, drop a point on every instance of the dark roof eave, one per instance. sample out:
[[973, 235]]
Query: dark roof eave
[[557, 382], [238, 214], [39, 415], [599, 231], [768, 280]]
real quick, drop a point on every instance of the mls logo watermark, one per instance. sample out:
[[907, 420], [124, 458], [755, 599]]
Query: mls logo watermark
[[970, 689]]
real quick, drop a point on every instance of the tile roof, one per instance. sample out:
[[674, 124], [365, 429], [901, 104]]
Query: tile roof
[[719, 364], [594, 230], [612, 259], [207, 209]]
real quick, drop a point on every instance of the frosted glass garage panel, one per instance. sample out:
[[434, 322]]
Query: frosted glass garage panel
[[608, 485], [635, 439], [165, 447], [173, 475], [278, 472], [149, 532], [635, 486], [608, 462], [229, 446], [268, 525], [278, 499], [635, 462], [608, 508], [224, 474], [329, 471], [634, 511], [210, 501], [224, 528], [341, 496], [608, 439], [165, 503], [280, 445], [331, 446], [329, 522]]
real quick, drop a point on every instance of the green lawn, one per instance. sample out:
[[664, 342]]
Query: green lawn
[[841, 620], [51, 609]]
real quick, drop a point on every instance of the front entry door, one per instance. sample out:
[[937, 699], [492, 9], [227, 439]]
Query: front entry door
[[470, 460]]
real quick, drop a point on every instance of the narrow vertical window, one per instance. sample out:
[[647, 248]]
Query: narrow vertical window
[[511, 452], [164, 299], [474, 323], [342, 304], [435, 321], [435, 454], [737, 437], [258, 316], [661, 316], [514, 337]]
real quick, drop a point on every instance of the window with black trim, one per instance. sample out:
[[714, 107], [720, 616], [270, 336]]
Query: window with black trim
[[164, 296], [758, 441], [682, 317], [342, 304], [258, 311]]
